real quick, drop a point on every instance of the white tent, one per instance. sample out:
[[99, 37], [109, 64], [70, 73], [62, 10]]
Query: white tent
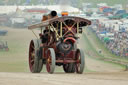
[[58, 8]]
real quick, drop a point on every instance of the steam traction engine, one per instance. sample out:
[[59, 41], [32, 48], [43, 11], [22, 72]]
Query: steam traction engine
[[57, 44]]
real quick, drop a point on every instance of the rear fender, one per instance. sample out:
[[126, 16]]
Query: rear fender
[[73, 40]]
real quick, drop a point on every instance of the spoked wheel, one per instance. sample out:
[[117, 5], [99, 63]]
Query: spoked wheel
[[80, 62], [69, 68], [35, 57], [51, 60]]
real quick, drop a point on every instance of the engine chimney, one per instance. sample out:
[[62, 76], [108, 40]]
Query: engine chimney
[[52, 14]]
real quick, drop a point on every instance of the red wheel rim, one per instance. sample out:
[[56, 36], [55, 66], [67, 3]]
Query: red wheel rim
[[48, 63]]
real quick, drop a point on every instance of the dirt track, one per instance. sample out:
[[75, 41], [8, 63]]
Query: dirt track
[[102, 74], [64, 79]]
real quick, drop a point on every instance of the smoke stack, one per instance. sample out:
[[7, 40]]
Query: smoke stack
[[53, 13]]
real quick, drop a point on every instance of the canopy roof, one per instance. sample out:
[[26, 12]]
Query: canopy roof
[[82, 22]]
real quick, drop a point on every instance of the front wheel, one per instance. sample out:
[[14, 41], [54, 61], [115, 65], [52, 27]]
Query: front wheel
[[51, 60], [80, 61]]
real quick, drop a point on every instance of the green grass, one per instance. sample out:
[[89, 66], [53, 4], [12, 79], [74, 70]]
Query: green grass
[[14, 60], [14, 66]]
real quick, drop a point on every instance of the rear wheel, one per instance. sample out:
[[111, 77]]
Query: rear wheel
[[51, 60], [35, 57], [69, 68], [80, 61]]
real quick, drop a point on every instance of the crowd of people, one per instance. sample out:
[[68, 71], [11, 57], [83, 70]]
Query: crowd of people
[[115, 40]]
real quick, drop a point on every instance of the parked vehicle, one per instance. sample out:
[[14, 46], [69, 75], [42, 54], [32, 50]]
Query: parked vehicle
[[4, 46], [4, 19], [3, 32], [18, 22]]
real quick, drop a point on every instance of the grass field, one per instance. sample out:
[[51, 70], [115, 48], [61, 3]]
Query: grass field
[[17, 56]]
